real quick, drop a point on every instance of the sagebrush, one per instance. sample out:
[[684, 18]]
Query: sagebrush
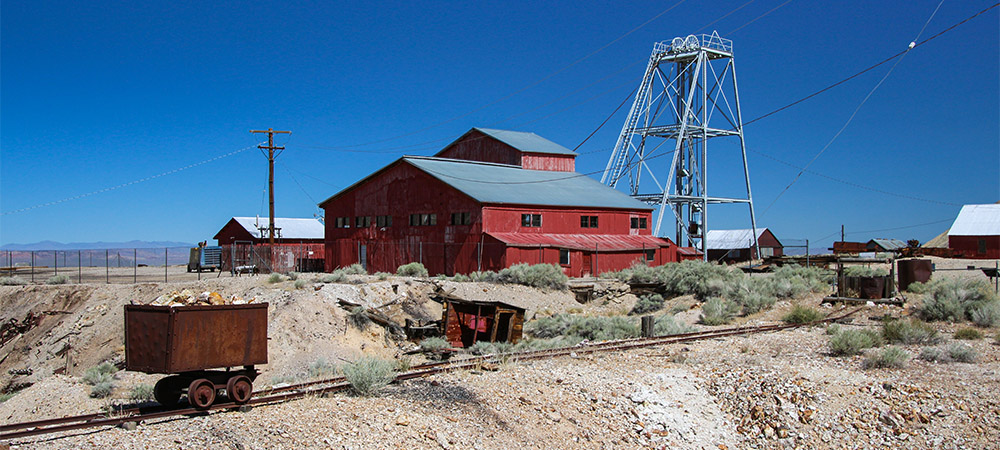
[[647, 303], [718, 311], [853, 342], [886, 358], [413, 269], [969, 334], [367, 376], [801, 314], [57, 279], [584, 327], [956, 300], [141, 393], [359, 318], [13, 281], [355, 269], [910, 332], [864, 271]]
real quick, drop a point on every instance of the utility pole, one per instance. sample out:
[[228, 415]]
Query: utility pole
[[841, 233], [270, 174]]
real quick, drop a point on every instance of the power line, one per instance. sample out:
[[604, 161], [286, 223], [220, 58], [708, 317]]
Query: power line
[[760, 16], [868, 69], [903, 227], [853, 184], [853, 114], [130, 183], [529, 86]]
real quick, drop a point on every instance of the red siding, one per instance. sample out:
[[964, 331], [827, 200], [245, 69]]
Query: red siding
[[968, 246], [476, 146], [234, 232], [541, 161], [401, 189]]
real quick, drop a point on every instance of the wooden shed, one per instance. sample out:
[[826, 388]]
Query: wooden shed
[[465, 322]]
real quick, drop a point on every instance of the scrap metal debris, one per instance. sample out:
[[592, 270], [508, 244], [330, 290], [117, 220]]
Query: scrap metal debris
[[188, 298]]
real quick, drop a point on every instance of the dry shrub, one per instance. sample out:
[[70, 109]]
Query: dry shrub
[[969, 334], [367, 376], [887, 358], [853, 342], [910, 332], [801, 314], [956, 300], [718, 311], [413, 269]]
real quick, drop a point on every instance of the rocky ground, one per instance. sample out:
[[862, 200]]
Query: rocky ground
[[775, 390]]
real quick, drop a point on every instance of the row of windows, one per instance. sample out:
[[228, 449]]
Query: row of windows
[[465, 218], [650, 255]]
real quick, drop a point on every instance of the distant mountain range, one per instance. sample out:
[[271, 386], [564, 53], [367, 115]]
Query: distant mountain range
[[53, 245]]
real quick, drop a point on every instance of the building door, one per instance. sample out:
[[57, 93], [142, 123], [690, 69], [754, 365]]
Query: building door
[[505, 323], [363, 255], [588, 263]]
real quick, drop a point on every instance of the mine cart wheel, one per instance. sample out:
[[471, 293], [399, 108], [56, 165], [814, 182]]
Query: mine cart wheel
[[240, 389], [167, 391], [201, 393]]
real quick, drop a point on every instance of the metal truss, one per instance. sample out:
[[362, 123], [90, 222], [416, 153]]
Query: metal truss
[[688, 95]]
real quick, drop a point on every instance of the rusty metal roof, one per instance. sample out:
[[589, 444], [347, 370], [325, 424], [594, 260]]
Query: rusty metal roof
[[601, 242]]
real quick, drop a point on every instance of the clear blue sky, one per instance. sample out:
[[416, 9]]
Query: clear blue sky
[[97, 94]]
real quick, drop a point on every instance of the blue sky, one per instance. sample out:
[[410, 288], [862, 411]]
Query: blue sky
[[98, 95]]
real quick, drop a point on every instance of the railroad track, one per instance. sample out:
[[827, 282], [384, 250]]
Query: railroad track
[[337, 384]]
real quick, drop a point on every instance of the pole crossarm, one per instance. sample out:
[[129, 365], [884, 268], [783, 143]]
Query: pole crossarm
[[270, 147]]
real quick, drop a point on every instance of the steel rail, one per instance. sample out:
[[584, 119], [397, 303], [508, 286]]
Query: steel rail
[[340, 384]]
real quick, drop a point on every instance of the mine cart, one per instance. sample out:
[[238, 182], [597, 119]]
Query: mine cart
[[188, 341]]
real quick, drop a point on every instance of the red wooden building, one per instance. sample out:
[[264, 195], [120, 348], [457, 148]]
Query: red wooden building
[[976, 232], [737, 245], [489, 200], [298, 244]]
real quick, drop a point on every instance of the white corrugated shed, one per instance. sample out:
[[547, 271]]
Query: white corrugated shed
[[977, 220], [731, 239], [287, 228]]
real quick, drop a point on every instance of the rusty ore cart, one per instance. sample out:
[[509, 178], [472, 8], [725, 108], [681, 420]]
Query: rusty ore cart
[[188, 341]]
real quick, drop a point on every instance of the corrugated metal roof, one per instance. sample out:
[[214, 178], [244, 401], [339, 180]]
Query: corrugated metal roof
[[505, 184], [608, 242], [977, 220], [731, 239], [288, 228], [889, 244], [527, 142]]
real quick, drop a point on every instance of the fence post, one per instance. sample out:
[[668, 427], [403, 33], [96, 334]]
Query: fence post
[[165, 250], [32, 266], [55, 261], [79, 267], [597, 267], [135, 266], [807, 252], [421, 252], [107, 265], [648, 325]]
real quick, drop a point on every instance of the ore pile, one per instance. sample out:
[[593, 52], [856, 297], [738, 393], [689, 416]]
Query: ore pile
[[188, 298]]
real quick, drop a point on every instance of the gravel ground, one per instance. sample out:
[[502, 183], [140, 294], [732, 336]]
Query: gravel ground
[[779, 390]]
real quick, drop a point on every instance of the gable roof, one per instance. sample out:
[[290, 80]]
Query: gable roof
[[888, 244], [977, 220], [504, 184], [526, 142], [287, 228], [731, 239]]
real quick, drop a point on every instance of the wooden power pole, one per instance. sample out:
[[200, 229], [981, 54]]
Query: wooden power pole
[[270, 175]]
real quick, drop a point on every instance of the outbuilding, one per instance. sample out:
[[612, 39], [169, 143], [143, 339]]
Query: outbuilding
[[885, 245], [298, 244], [489, 200], [465, 322], [737, 245], [976, 232]]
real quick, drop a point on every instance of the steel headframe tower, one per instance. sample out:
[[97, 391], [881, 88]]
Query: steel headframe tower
[[687, 97]]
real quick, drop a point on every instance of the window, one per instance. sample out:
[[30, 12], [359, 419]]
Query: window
[[638, 223], [982, 246], [650, 255], [564, 257], [462, 218], [531, 220], [422, 220], [383, 221], [343, 222], [363, 221], [588, 221]]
